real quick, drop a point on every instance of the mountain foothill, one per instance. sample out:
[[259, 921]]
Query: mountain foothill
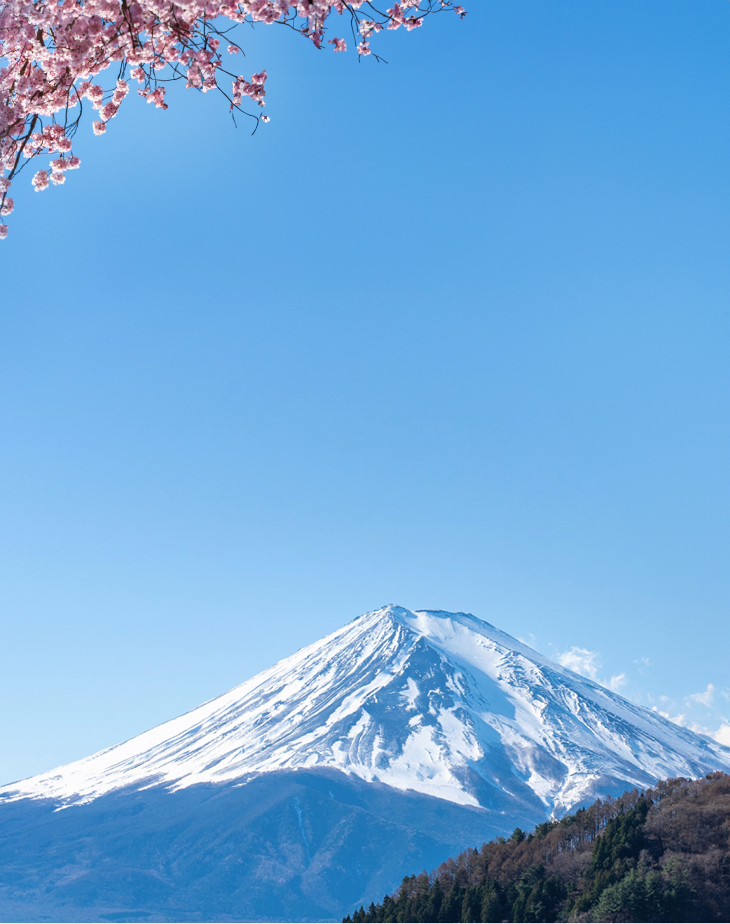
[[658, 855]]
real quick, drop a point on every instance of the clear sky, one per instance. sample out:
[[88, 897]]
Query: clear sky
[[451, 332]]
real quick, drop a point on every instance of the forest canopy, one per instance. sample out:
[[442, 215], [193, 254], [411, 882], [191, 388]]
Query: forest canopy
[[658, 855]]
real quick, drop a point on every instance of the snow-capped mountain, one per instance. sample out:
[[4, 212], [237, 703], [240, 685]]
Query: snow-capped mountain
[[441, 704]]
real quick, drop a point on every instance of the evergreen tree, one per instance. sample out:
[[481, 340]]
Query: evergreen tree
[[492, 906], [658, 856]]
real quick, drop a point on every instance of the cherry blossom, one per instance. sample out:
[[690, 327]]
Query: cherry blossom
[[52, 52]]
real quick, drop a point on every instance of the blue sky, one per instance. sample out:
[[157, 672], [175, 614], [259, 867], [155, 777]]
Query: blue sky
[[451, 333]]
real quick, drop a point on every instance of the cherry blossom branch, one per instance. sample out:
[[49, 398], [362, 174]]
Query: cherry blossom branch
[[52, 51]]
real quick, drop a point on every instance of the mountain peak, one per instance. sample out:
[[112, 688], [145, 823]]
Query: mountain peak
[[441, 703]]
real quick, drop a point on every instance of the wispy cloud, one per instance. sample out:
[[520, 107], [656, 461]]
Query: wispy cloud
[[721, 734], [582, 661], [642, 664], [702, 699], [705, 713], [677, 719], [588, 663]]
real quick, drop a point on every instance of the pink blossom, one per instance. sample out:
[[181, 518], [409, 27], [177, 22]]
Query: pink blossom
[[7, 207], [53, 52], [265, 118], [369, 25], [155, 96], [396, 15], [3, 232], [95, 94], [253, 89], [40, 180], [108, 111]]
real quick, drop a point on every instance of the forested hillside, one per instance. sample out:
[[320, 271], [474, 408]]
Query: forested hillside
[[658, 855]]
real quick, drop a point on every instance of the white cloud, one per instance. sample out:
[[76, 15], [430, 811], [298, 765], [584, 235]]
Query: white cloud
[[582, 661], [722, 735], [677, 719], [617, 682], [588, 663], [702, 699]]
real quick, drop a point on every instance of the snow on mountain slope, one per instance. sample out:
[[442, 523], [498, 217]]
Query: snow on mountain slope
[[440, 703]]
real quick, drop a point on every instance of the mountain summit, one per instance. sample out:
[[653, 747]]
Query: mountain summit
[[441, 704], [396, 742]]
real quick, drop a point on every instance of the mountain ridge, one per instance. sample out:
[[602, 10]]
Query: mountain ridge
[[390, 745], [441, 703]]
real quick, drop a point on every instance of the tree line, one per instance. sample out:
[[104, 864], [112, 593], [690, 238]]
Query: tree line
[[662, 854]]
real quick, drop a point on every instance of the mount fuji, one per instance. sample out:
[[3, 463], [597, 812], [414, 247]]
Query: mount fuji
[[398, 740]]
